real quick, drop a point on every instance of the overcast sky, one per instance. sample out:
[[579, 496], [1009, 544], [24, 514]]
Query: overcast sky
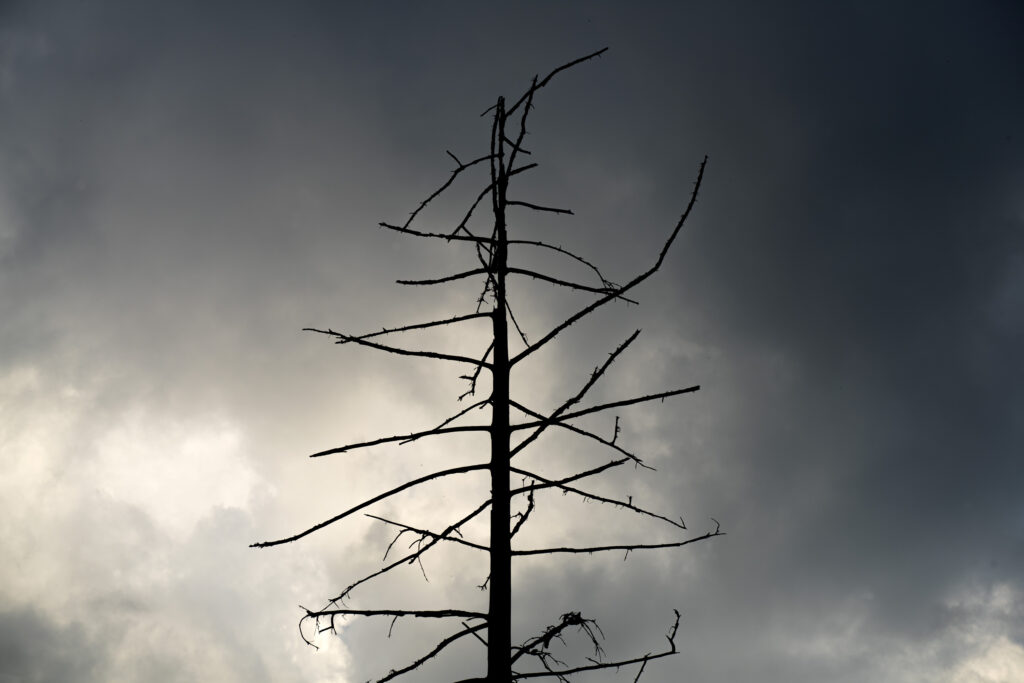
[[186, 185]]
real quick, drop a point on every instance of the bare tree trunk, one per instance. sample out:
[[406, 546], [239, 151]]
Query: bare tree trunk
[[499, 611], [492, 255]]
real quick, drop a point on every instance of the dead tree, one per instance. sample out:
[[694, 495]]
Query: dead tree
[[489, 250]]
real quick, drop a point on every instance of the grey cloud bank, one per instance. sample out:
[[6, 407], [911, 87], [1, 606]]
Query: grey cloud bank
[[182, 188]]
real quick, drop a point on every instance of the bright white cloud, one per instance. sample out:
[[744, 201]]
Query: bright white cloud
[[176, 470]]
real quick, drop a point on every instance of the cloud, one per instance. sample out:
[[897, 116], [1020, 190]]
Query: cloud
[[185, 188]]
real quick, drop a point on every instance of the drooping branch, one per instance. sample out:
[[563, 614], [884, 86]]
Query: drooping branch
[[426, 533], [563, 283], [421, 614], [447, 278], [561, 250], [625, 288], [468, 630], [626, 504], [341, 338], [459, 169], [376, 499], [344, 339], [583, 432]]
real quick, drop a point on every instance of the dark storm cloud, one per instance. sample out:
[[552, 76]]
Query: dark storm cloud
[[187, 185], [872, 223], [34, 649]]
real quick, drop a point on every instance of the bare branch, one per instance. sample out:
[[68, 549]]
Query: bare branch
[[606, 406], [404, 438], [523, 516], [469, 630], [557, 415], [404, 328], [475, 375], [561, 250], [629, 547], [515, 149], [625, 288], [485, 192], [538, 207], [563, 283], [341, 338], [552, 632], [447, 278], [375, 499], [452, 528], [453, 418], [512, 317], [461, 167], [529, 93]]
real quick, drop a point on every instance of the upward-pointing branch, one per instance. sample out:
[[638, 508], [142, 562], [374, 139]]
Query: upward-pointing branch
[[605, 406], [555, 416], [625, 288], [371, 501], [529, 93]]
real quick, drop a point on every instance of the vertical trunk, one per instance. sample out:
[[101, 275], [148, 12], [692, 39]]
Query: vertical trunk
[[499, 639]]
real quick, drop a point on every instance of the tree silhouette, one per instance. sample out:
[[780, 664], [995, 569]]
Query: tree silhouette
[[490, 254]]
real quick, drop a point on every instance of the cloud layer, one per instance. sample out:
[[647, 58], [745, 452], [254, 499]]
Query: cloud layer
[[182, 189]]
